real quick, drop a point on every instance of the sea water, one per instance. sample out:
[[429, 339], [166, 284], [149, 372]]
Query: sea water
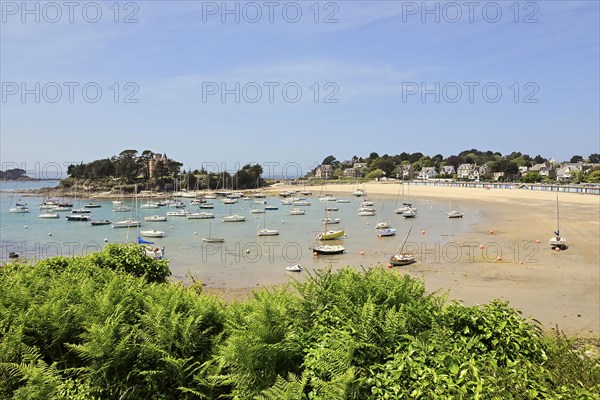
[[244, 259]]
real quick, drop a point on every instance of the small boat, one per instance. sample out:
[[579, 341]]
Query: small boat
[[161, 203], [328, 249], [328, 197], [386, 232], [229, 200], [294, 268], [382, 225], [126, 223], [259, 195], [271, 208], [301, 203], [116, 202], [367, 203], [176, 204], [13, 254], [285, 194], [454, 214], [78, 217], [81, 211], [366, 212], [149, 206], [246, 198], [210, 239], [155, 218], [297, 211], [61, 209], [257, 211], [153, 233], [178, 213], [267, 232], [287, 202], [399, 258], [331, 209], [48, 215], [197, 202], [19, 209], [342, 201], [234, 218], [358, 193], [557, 241], [121, 208], [92, 205], [206, 205], [410, 213], [100, 222], [210, 196], [330, 221], [330, 234], [200, 215]]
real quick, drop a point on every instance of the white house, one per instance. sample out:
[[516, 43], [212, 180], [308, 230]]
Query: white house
[[427, 173], [447, 170], [465, 171]]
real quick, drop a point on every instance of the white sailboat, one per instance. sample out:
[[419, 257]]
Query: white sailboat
[[557, 241], [266, 231], [153, 233], [454, 213], [400, 258], [210, 239]]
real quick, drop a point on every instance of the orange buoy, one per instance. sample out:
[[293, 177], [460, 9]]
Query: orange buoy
[[558, 249], [389, 265], [498, 258], [481, 247], [362, 253], [491, 231], [315, 253], [538, 241]]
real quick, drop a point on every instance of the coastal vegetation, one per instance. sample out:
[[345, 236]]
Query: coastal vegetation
[[157, 172], [15, 174], [111, 325]]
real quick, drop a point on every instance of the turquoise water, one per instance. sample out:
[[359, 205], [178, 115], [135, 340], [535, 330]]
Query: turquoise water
[[244, 259]]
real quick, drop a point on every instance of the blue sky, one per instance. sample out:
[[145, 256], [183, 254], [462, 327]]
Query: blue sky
[[361, 80]]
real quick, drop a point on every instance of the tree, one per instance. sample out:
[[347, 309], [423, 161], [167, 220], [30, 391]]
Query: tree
[[375, 174], [328, 160], [531, 177], [385, 164], [576, 159], [539, 159], [593, 177], [594, 158]]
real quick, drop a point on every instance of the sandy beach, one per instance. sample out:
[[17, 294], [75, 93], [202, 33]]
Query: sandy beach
[[556, 288]]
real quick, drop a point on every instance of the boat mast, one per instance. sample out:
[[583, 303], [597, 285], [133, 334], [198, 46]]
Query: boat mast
[[404, 242]]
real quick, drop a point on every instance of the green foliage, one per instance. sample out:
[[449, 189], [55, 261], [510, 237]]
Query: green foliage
[[376, 173], [132, 260], [531, 177], [75, 328], [593, 177]]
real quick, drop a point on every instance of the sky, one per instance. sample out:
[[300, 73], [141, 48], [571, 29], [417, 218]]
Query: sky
[[285, 84]]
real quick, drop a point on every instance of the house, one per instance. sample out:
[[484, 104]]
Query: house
[[447, 170], [465, 171], [544, 169], [153, 162], [498, 176], [567, 171], [408, 172], [324, 172], [355, 170], [479, 172], [427, 173]]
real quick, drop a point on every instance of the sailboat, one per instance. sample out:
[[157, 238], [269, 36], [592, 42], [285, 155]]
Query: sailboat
[[557, 241], [153, 233], [20, 208], [407, 210], [233, 217], [266, 231], [454, 213], [381, 224], [210, 239], [130, 222], [329, 234], [400, 258]]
